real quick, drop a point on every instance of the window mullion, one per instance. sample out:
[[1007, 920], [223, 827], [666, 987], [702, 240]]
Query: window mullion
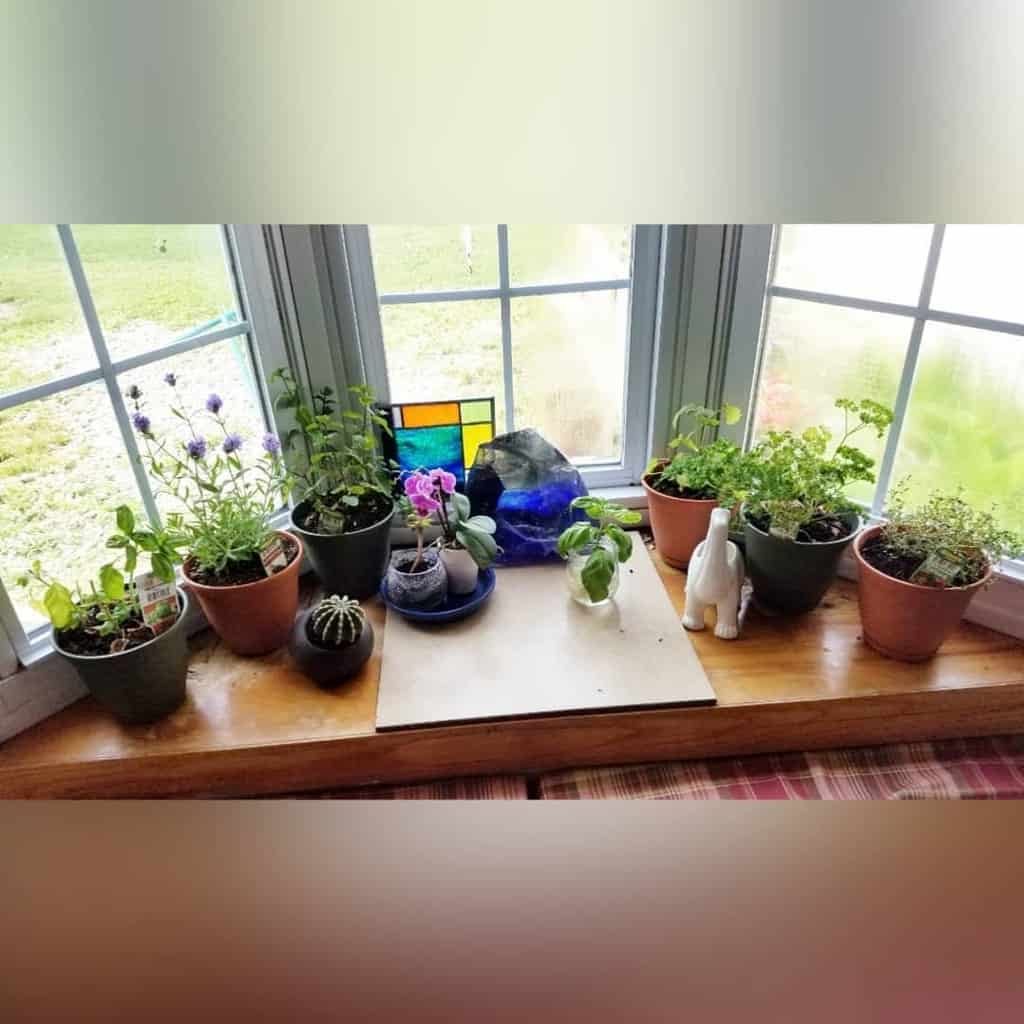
[[506, 327], [909, 369], [92, 322]]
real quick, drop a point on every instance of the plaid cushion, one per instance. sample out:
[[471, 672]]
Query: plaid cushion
[[987, 769], [497, 787]]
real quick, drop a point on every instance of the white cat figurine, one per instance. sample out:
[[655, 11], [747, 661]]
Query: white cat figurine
[[715, 577]]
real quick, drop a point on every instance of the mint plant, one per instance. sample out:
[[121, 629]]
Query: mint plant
[[969, 538], [603, 540], [108, 607], [794, 485], [700, 467], [334, 459]]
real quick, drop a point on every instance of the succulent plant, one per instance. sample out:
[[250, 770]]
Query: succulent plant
[[337, 621]]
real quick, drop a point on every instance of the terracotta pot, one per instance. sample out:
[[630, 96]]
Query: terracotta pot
[[907, 621], [253, 618], [678, 524]]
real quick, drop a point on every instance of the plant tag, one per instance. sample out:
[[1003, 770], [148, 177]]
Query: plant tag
[[273, 556], [939, 565], [158, 601]]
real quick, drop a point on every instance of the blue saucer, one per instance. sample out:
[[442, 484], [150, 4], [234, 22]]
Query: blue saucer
[[456, 606]]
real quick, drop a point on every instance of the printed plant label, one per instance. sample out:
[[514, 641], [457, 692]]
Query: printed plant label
[[939, 565], [158, 600], [273, 556]]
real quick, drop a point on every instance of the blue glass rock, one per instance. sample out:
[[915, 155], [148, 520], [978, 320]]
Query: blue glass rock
[[525, 484]]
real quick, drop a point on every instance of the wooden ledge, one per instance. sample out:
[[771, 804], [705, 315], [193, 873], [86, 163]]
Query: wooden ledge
[[257, 726]]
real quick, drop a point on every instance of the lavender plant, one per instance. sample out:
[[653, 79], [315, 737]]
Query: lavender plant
[[229, 504]]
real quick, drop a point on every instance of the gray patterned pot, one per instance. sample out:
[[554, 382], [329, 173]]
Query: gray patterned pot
[[420, 590]]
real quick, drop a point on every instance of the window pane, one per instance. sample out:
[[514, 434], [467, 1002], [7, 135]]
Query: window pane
[[884, 262], [963, 424], [569, 359], [411, 258], [440, 350], [815, 354], [42, 334], [224, 368], [551, 253], [63, 470], [153, 283], [979, 271]]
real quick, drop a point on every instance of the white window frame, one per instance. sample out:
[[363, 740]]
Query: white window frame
[[249, 271], [642, 284], [1001, 606]]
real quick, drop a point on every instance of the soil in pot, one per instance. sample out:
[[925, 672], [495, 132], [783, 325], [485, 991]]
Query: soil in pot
[[254, 617], [792, 576], [86, 643], [237, 574], [139, 684], [370, 510], [351, 563], [901, 619], [679, 520]]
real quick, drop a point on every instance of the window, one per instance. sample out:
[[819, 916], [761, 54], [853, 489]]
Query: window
[[86, 312], [930, 320], [556, 322]]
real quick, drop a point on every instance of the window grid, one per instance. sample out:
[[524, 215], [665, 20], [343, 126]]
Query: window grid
[[921, 314], [108, 370], [505, 292]]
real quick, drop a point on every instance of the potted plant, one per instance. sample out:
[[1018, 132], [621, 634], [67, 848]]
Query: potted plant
[[332, 640], [124, 634], [342, 486], [244, 574], [417, 578], [797, 519], [683, 491], [595, 550], [919, 571]]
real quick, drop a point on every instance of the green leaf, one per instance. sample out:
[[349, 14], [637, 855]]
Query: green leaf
[[163, 567], [623, 541], [59, 605], [146, 540], [460, 503], [577, 536], [117, 541], [731, 414], [485, 524], [111, 583], [125, 519], [481, 546], [597, 573], [131, 559]]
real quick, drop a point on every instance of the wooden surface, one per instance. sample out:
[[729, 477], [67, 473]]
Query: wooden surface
[[533, 650], [257, 726]]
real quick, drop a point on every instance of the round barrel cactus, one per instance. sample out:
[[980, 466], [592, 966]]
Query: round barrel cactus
[[336, 622]]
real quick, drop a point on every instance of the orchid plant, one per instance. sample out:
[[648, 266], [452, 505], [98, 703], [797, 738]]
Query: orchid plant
[[229, 504], [433, 492]]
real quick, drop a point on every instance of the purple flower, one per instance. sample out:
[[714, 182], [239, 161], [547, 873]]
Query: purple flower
[[171, 379], [141, 422], [196, 448], [444, 479], [271, 445], [232, 443], [424, 504], [418, 483], [134, 392], [214, 403]]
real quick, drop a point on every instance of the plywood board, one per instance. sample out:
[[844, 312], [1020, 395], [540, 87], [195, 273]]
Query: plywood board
[[532, 650]]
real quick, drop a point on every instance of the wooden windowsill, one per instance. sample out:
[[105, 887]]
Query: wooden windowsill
[[255, 726]]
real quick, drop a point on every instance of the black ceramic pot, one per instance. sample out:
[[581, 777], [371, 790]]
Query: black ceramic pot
[[328, 666], [351, 564], [143, 684], [792, 576]]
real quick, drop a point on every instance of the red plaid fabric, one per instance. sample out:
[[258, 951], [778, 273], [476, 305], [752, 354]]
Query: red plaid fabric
[[498, 787], [980, 769]]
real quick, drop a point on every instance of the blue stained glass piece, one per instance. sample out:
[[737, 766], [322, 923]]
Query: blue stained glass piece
[[526, 485], [429, 448]]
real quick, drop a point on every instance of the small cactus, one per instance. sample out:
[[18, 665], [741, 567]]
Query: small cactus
[[336, 622]]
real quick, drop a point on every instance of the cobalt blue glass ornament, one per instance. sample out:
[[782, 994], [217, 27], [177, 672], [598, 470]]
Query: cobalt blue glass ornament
[[526, 485]]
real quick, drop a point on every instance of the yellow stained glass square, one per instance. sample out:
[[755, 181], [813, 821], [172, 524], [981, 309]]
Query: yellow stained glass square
[[474, 435]]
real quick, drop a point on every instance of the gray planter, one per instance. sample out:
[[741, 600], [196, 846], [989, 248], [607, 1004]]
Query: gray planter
[[328, 666], [792, 576], [143, 684], [351, 564], [422, 591]]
